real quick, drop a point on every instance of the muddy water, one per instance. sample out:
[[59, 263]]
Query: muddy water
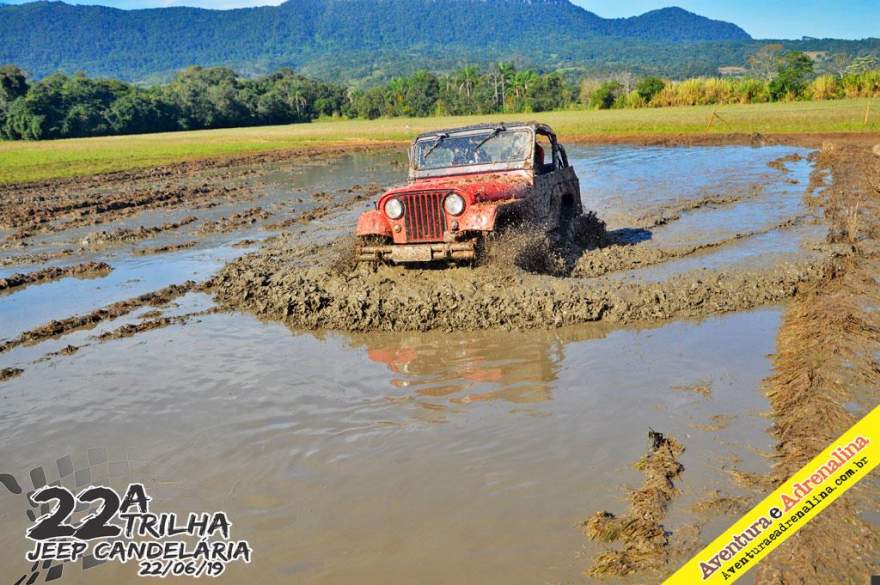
[[389, 459], [429, 458]]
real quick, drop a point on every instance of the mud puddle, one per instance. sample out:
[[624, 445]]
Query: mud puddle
[[409, 456], [624, 184], [333, 452]]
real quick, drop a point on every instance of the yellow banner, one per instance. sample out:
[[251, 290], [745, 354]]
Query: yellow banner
[[797, 501]]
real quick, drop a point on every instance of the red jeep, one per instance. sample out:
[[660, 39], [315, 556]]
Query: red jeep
[[465, 183]]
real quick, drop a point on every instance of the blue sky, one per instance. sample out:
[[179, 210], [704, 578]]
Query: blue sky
[[845, 19]]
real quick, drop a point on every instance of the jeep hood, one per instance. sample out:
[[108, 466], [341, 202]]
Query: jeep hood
[[474, 187]]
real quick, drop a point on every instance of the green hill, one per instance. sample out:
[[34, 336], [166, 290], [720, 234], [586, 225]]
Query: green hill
[[354, 38], [369, 41]]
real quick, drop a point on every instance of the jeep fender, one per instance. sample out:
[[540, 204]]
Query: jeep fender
[[483, 217], [373, 223]]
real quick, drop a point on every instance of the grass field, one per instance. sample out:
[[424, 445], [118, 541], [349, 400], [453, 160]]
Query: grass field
[[31, 161]]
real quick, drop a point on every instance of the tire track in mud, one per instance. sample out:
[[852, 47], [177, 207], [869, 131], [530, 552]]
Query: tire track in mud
[[49, 214], [97, 240], [60, 327], [827, 361], [674, 211], [151, 321], [57, 205], [18, 281], [619, 254], [160, 322]]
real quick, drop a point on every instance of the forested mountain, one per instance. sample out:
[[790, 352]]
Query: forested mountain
[[360, 38], [369, 41]]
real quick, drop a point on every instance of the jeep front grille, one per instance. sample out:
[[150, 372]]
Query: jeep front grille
[[424, 216]]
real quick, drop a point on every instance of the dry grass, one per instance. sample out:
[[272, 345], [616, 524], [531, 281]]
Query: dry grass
[[826, 361], [31, 161], [644, 542]]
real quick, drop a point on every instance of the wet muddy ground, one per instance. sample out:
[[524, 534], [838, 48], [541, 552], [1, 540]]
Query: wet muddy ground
[[190, 330]]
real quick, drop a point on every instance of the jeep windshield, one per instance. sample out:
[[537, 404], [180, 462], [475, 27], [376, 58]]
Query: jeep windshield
[[482, 147]]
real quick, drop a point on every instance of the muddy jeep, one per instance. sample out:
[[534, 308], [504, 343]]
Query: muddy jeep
[[466, 183]]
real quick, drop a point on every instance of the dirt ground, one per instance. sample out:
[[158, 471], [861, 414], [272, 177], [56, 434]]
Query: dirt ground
[[826, 373]]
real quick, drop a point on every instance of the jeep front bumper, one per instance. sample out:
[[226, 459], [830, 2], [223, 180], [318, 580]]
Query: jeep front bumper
[[430, 252]]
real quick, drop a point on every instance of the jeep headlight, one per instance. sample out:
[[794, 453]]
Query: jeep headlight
[[394, 208], [453, 204]]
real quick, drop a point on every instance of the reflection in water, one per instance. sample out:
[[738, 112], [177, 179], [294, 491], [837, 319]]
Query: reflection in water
[[437, 369]]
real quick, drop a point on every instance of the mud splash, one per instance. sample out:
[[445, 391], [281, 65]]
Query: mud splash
[[644, 541]]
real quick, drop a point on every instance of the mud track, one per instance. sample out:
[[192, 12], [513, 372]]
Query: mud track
[[85, 270], [620, 254], [60, 327], [523, 281], [38, 209], [827, 375]]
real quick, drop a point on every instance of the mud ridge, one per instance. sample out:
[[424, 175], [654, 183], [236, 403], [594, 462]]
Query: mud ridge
[[234, 222], [40, 258], [165, 249], [717, 504], [780, 163], [283, 284], [618, 254], [826, 360], [133, 329], [644, 543], [60, 327], [84, 270], [10, 373], [124, 235], [672, 212]]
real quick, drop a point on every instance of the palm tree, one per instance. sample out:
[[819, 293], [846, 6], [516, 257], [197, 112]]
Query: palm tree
[[467, 76], [521, 82], [504, 72]]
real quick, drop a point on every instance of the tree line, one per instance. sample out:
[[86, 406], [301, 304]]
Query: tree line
[[773, 76], [62, 106], [67, 106]]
